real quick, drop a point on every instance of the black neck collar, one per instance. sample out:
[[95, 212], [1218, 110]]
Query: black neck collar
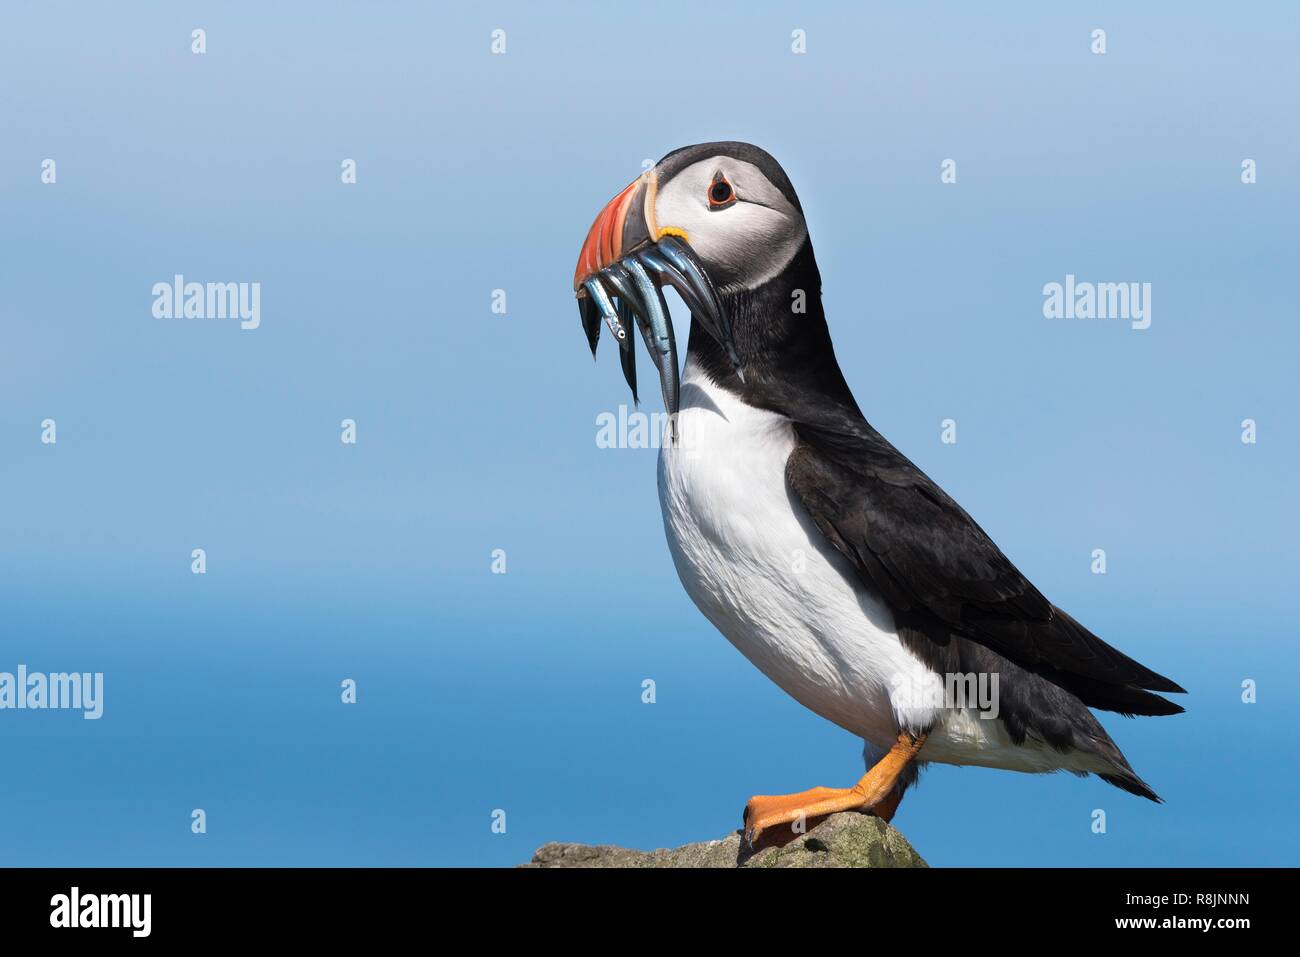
[[790, 365]]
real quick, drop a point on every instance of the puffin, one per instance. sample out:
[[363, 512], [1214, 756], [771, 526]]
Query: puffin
[[841, 570]]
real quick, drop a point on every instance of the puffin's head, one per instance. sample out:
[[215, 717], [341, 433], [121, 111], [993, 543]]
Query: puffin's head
[[706, 217]]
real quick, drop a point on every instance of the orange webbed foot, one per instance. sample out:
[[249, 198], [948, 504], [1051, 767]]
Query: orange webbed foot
[[876, 791], [768, 811]]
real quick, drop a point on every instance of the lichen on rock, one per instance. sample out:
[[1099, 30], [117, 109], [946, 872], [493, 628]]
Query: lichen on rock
[[849, 839]]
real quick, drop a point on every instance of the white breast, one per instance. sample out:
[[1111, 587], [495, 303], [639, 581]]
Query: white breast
[[760, 570], [756, 565]]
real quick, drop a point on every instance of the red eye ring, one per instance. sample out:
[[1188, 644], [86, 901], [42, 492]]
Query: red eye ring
[[721, 195]]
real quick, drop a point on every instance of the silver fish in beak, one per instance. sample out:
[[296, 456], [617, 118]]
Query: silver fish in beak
[[625, 262]]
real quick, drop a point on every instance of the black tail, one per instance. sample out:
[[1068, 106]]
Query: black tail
[[1124, 699], [1130, 695], [1130, 782]]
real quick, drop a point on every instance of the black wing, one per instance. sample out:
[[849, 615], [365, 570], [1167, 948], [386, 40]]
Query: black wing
[[942, 574]]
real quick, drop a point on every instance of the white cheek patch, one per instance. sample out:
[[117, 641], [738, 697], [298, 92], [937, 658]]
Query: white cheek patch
[[754, 238]]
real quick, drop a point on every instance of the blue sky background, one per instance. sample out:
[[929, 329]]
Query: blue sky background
[[522, 691]]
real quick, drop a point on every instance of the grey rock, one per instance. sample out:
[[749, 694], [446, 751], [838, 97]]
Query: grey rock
[[850, 839]]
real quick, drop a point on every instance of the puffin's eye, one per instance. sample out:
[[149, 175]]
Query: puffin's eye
[[721, 195]]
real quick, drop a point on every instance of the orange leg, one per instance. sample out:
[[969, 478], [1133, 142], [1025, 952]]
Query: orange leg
[[874, 791], [888, 805]]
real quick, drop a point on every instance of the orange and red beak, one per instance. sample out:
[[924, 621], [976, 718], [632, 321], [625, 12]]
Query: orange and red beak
[[625, 225], [625, 261]]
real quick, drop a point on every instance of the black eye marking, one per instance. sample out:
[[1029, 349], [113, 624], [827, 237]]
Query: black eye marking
[[721, 195]]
